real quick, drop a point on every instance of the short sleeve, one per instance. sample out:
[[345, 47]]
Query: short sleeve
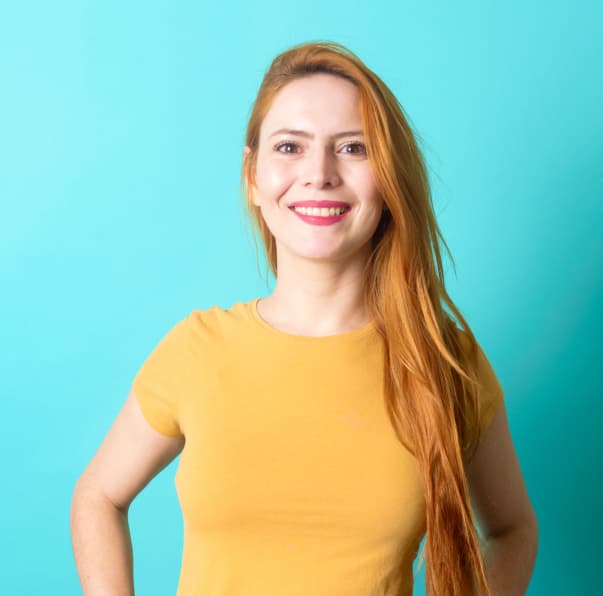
[[491, 392], [165, 378]]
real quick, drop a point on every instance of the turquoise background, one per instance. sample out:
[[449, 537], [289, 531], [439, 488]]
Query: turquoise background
[[121, 131]]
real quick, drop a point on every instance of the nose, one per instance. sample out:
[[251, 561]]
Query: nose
[[321, 169]]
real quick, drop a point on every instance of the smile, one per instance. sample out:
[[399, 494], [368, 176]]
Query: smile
[[315, 216]]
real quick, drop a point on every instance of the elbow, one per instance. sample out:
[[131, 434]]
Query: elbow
[[527, 526], [530, 532], [530, 527], [535, 532], [523, 535], [86, 494]]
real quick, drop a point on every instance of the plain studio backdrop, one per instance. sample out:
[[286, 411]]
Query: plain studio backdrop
[[121, 131]]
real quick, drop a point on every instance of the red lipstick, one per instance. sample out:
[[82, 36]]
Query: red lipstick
[[320, 220]]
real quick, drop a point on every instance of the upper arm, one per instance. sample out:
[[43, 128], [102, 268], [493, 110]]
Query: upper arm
[[496, 485], [131, 454]]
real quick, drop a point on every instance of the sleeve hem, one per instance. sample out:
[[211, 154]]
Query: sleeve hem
[[488, 415], [163, 429]]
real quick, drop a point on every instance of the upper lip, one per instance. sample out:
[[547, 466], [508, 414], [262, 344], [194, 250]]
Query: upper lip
[[319, 204]]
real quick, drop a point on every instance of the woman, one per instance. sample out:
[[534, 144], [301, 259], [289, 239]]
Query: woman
[[324, 428]]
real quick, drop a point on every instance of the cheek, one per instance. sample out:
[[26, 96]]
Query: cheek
[[365, 186], [274, 178]]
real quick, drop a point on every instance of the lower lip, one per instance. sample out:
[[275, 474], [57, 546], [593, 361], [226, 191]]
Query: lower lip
[[321, 221]]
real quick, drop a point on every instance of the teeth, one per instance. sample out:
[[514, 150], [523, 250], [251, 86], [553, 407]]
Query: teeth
[[320, 211]]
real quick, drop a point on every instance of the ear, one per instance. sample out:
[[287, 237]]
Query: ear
[[251, 188], [252, 193]]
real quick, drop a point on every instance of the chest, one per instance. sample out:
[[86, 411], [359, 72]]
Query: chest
[[297, 443]]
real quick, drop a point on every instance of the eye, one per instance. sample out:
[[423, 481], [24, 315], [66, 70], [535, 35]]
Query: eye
[[279, 146], [361, 148]]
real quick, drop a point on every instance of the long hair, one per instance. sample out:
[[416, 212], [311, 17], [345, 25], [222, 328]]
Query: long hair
[[431, 367]]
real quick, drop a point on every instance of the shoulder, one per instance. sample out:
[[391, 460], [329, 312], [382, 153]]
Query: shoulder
[[490, 390], [473, 351], [217, 322]]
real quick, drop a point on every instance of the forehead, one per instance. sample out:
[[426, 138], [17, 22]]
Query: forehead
[[320, 101]]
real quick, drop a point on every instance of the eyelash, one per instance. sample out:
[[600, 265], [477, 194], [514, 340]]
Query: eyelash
[[283, 143]]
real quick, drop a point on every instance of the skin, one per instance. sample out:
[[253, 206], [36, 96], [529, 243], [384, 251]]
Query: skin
[[319, 285], [318, 293], [503, 510], [131, 454]]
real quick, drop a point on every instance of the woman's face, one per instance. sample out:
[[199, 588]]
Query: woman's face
[[311, 150]]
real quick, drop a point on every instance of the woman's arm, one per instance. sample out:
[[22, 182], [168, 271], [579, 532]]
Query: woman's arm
[[503, 510], [131, 454]]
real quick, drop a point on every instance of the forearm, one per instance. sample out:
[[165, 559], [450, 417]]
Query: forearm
[[102, 546], [509, 560]]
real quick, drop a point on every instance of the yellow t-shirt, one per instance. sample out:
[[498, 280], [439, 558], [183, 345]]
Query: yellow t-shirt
[[292, 480]]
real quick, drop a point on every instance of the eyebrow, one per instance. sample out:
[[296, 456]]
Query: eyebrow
[[303, 133]]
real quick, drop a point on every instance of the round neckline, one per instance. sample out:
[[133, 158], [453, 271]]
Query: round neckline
[[355, 333]]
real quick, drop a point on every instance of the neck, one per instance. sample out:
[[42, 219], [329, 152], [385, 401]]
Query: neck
[[316, 300]]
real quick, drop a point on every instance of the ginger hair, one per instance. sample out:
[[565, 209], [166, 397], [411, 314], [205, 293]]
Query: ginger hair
[[431, 366]]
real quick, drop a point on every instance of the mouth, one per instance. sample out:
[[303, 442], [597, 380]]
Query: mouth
[[321, 216], [333, 209]]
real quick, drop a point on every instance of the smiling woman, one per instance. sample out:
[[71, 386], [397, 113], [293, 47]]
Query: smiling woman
[[317, 119], [324, 428]]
